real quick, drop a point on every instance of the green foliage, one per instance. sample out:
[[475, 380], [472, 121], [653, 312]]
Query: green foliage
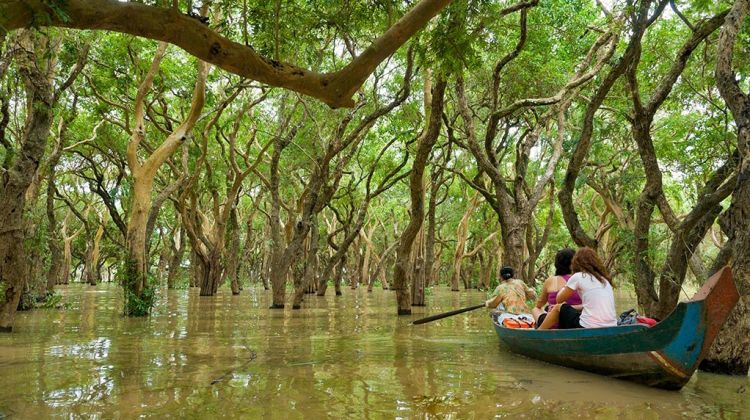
[[136, 304], [692, 132], [58, 9], [56, 12], [52, 301]]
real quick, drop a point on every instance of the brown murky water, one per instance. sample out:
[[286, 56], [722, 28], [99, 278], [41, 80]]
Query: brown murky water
[[339, 357]]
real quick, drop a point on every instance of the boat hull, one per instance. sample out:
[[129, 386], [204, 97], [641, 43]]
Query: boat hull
[[663, 356]]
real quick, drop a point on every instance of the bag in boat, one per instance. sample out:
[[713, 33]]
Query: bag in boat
[[631, 317], [507, 320], [646, 320], [628, 317]]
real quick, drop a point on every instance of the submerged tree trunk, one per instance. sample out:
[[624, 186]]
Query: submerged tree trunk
[[211, 272], [135, 281], [730, 352], [416, 183], [462, 234], [91, 268], [690, 230], [311, 267], [429, 244], [138, 292], [247, 264], [16, 181], [265, 268], [339, 275], [177, 243], [485, 269], [380, 268], [357, 278], [417, 274], [196, 269], [232, 252], [53, 236], [161, 266]]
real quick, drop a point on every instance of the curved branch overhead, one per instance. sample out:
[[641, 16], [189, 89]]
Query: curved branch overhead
[[169, 25]]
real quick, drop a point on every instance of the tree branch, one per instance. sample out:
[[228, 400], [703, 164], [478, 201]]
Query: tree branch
[[168, 25]]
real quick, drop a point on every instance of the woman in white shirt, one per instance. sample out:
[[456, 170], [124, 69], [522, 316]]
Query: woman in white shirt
[[594, 284]]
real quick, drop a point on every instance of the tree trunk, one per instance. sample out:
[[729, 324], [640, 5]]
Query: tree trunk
[[265, 269], [416, 184], [467, 274], [485, 270], [417, 289], [53, 236], [232, 256], [689, 231], [177, 243], [33, 271], [418, 273], [429, 245], [138, 296], [583, 143], [278, 267], [513, 239], [91, 267], [67, 259], [371, 278], [380, 267], [339, 275], [196, 269], [88, 269], [246, 264], [56, 260], [15, 183], [211, 273], [311, 266], [365, 275], [358, 276], [730, 352], [462, 234], [161, 266]]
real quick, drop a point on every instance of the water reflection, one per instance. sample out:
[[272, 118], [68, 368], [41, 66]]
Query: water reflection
[[340, 356]]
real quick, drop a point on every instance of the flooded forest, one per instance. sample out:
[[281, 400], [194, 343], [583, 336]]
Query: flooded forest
[[238, 208]]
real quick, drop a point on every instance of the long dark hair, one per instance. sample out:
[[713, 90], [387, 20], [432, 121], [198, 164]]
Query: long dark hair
[[587, 261], [563, 259]]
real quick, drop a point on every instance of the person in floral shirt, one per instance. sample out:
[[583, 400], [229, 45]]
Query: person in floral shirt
[[511, 293]]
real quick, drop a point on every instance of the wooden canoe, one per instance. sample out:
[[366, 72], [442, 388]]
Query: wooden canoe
[[663, 356]]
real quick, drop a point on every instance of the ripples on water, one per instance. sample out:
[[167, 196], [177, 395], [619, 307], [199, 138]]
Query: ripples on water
[[229, 356]]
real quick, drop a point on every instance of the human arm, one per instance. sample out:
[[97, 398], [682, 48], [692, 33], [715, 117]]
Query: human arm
[[493, 302], [553, 314], [530, 292], [496, 300], [564, 294], [542, 300]]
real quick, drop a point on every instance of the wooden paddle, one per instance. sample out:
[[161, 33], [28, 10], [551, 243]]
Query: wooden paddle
[[446, 314]]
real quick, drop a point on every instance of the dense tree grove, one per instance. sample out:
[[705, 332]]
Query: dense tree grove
[[409, 146]]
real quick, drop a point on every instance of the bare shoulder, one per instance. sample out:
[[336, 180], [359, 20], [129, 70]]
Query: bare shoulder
[[550, 282]]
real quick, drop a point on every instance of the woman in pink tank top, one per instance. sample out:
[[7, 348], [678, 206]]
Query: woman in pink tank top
[[548, 295]]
